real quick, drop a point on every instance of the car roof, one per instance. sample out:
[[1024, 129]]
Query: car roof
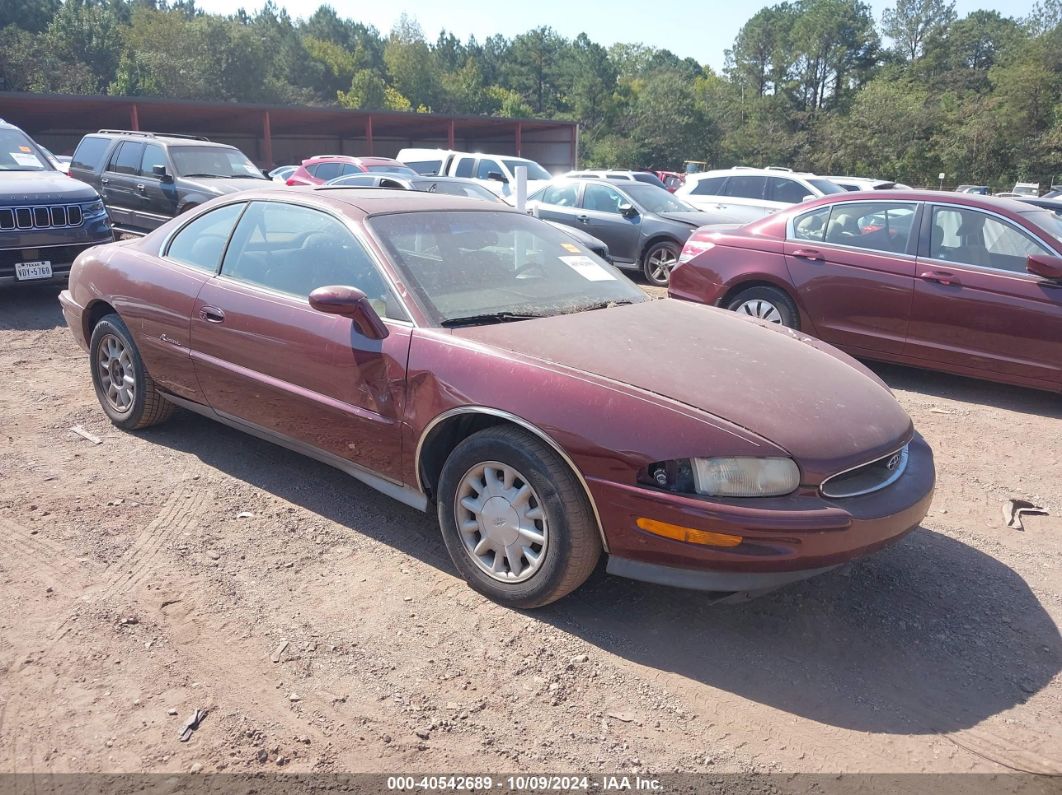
[[941, 197], [381, 201], [753, 172], [163, 138]]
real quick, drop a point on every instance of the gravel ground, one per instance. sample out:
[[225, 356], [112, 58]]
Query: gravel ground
[[322, 627]]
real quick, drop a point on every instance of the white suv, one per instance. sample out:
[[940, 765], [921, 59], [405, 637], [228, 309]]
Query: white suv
[[497, 173], [749, 193]]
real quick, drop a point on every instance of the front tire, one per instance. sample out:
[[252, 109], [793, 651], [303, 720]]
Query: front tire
[[766, 303], [124, 388], [515, 519], [658, 262]]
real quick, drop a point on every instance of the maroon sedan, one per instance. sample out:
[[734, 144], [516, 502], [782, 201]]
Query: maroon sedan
[[467, 358], [956, 282]]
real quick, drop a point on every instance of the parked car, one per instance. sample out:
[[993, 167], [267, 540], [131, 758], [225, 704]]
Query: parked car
[[643, 226], [956, 282], [983, 190], [46, 218], [750, 193], [58, 162], [1027, 188], [281, 173], [647, 177], [1044, 202], [147, 178], [672, 179], [319, 169], [467, 359], [866, 183], [495, 172], [458, 186]]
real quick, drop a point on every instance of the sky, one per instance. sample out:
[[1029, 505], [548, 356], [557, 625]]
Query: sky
[[699, 29]]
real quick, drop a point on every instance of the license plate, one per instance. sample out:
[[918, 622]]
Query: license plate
[[41, 269]]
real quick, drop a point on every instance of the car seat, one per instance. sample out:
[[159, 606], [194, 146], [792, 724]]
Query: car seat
[[842, 228]]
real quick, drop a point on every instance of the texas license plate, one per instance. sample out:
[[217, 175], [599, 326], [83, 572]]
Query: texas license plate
[[41, 269]]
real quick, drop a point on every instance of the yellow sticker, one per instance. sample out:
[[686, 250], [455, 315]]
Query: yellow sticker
[[570, 247], [24, 149]]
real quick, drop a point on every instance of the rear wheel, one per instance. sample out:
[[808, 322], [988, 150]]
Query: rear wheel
[[658, 261], [515, 519], [766, 303], [124, 388]]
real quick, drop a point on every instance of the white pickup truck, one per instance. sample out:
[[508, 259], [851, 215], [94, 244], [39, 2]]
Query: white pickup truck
[[497, 173]]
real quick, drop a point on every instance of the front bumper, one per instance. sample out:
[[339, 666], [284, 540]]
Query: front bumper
[[61, 255], [785, 538]]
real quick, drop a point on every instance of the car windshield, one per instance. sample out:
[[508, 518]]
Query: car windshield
[[472, 190], [206, 161], [1050, 222], [657, 200], [534, 170], [825, 186], [490, 266], [17, 153], [397, 168]]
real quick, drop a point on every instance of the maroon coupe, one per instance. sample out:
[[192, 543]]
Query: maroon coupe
[[470, 358], [967, 284]]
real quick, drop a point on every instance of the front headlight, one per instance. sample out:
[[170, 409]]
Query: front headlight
[[92, 209], [745, 477]]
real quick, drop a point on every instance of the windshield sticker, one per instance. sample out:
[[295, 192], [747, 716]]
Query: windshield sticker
[[25, 149], [25, 160], [588, 269], [570, 247]]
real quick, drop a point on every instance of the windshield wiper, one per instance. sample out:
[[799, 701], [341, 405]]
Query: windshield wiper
[[490, 317], [604, 305]]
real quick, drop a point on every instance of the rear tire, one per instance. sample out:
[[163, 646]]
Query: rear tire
[[658, 262], [515, 519], [124, 387], [766, 303]]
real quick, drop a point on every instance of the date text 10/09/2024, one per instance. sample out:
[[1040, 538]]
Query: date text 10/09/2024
[[617, 783]]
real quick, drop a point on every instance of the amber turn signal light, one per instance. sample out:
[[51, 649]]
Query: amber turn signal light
[[688, 534]]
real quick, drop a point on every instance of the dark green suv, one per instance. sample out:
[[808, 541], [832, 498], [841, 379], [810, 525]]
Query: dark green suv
[[145, 179]]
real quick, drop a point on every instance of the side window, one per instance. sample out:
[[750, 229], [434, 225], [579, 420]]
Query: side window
[[89, 153], [878, 226], [201, 243], [464, 167], [969, 237], [487, 166], [295, 250], [361, 180], [126, 158], [327, 171], [780, 189], [811, 226], [561, 195], [601, 198], [312, 170], [153, 156], [713, 186], [745, 187], [349, 168]]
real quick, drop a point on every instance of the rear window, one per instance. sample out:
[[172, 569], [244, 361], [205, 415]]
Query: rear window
[[464, 167], [428, 168], [89, 153], [327, 171], [826, 186]]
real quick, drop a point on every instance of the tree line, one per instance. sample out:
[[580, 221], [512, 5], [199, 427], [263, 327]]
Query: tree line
[[817, 85]]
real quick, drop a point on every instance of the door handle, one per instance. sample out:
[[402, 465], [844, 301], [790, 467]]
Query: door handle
[[807, 253], [583, 219], [105, 181], [941, 277], [211, 314], [140, 187]]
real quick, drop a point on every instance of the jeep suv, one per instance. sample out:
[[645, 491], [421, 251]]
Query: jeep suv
[[46, 218], [146, 178], [746, 193]]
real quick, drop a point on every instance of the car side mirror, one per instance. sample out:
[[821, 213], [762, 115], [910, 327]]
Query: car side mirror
[[1044, 265], [497, 176], [627, 210], [809, 198], [160, 172], [353, 303]]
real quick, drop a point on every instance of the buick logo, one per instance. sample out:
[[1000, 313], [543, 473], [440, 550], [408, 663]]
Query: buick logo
[[892, 463]]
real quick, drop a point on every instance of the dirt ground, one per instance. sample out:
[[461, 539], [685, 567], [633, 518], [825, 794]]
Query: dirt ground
[[323, 628]]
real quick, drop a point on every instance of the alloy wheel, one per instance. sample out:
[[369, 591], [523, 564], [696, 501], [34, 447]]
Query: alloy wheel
[[117, 375]]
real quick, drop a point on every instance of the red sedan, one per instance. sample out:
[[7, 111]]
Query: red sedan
[[967, 284], [320, 169], [469, 359]]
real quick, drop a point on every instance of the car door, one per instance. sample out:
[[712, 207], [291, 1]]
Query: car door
[[157, 197], [976, 306], [118, 183], [560, 203], [742, 197], [265, 357], [601, 204], [853, 266]]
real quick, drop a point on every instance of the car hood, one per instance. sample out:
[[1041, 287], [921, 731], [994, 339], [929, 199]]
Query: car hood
[[42, 187], [697, 218], [222, 185], [825, 409], [578, 235]]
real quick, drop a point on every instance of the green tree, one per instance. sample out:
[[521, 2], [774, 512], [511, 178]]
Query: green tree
[[30, 15], [912, 22], [534, 68], [410, 64]]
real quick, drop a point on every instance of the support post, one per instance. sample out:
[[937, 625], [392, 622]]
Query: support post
[[519, 138], [134, 118], [450, 135], [368, 133], [267, 142]]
